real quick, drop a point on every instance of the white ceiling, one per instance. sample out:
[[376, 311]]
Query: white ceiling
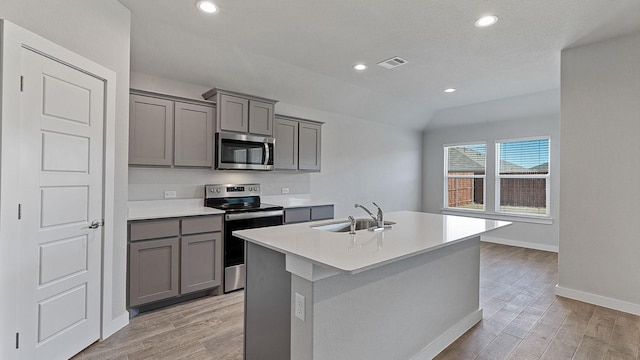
[[301, 51]]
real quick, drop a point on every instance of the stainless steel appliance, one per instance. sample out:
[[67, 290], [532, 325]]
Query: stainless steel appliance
[[244, 152], [243, 210]]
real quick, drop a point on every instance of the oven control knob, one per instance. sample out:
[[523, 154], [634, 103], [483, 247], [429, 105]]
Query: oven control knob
[[251, 189], [218, 190]]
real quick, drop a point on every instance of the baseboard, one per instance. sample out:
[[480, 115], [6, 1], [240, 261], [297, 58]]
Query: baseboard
[[449, 336], [115, 325], [524, 244], [599, 300]]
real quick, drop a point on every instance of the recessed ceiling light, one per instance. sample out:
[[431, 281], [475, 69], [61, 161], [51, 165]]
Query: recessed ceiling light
[[207, 6], [486, 21], [359, 67], [449, 90]]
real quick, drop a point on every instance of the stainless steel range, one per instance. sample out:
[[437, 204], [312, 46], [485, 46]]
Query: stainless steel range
[[243, 210]]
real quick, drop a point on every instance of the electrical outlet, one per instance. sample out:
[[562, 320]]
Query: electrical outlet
[[299, 306], [169, 194], [285, 190]]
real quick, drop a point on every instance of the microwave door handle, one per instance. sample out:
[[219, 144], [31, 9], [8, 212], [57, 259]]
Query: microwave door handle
[[266, 154]]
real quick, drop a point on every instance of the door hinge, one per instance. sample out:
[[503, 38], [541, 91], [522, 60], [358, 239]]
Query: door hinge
[[17, 340], [21, 83], [19, 211]]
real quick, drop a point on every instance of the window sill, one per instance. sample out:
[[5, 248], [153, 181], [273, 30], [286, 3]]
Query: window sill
[[493, 216]]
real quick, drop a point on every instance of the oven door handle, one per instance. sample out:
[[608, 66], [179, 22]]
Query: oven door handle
[[253, 215]]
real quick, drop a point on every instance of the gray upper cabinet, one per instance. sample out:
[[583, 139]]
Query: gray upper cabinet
[[298, 143], [170, 131], [242, 113], [309, 146], [150, 131], [193, 135], [260, 118], [234, 113], [286, 134]]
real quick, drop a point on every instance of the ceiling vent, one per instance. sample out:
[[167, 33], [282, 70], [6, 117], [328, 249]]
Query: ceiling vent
[[393, 62]]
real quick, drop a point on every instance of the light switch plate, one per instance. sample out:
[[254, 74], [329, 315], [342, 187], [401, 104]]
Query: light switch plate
[[299, 306], [285, 190], [169, 194]]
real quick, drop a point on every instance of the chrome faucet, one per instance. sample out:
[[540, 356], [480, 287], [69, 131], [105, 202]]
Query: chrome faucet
[[352, 222], [379, 218]]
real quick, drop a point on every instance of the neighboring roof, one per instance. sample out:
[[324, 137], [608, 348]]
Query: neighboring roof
[[463, 159]]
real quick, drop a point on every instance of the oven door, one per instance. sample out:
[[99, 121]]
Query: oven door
[[234, 267], [244, 152]]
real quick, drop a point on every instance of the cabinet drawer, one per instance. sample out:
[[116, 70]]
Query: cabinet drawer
[[297, 215], [322, 212], [201, 224], [154, 229]]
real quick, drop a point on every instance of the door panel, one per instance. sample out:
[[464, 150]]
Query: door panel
[[61, 147], [66, 153]]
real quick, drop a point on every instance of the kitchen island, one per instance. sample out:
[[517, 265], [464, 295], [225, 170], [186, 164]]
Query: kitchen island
[[402, 293]]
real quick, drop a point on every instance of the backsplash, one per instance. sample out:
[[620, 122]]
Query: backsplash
[[151, 183]]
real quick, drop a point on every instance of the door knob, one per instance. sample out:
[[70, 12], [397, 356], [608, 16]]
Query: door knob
[[96, 224]]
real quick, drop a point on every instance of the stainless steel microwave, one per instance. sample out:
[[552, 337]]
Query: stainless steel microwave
[[244, 152]]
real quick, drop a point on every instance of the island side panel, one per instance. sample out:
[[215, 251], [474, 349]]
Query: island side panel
[[302, 331], [267, 305], [400, 310]]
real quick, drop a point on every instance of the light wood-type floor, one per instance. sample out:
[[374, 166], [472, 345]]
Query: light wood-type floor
[[523, 320]]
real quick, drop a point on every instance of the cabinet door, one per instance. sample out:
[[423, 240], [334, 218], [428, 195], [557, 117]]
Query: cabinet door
[[193, 135], [286, 134], [153, 270], [150, 131], [296, 215], [234, 113], [201, 263], [260, 118], [309, 145], [322, 212]]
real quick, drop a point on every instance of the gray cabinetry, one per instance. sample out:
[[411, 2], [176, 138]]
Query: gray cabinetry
[[172, 257], [153, 270], [199, 267], [298, 143], [150, 131], [308, 213], [309, 147], [193, 135], [166, 131], [242, 113], [286, 134]]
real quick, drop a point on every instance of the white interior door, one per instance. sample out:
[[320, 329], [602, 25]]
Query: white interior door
[[61, 162]]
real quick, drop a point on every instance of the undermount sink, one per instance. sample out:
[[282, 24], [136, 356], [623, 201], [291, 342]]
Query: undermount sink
[[345, 225]]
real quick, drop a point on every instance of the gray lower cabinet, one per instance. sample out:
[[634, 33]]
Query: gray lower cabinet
[[298, 143], [308, 213], [169, 258], [200, 266], [153, 270], [169, 131]]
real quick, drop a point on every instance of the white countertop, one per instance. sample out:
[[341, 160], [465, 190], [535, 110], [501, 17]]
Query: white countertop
[[414, 233], [160, 209]]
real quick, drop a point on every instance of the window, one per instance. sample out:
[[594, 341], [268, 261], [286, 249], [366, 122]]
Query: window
[[522, 177], [465, 169]]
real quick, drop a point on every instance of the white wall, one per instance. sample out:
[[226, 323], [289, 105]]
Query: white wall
[[100, 31], [362, 161], [537, 236], [599, 258]]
